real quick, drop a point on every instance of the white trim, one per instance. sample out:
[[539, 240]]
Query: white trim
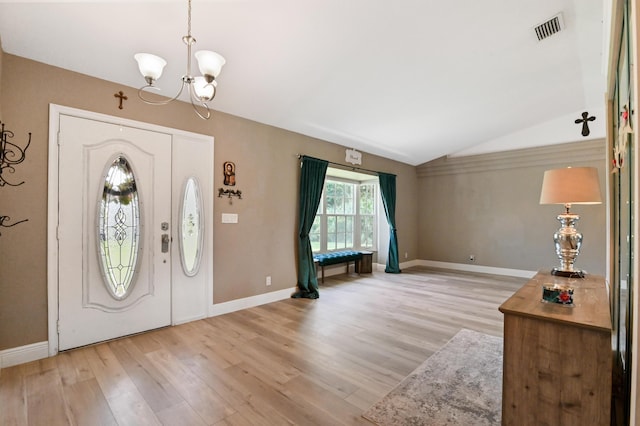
[[249, 302], [22, 354], [52, 229], [403, 265], [461, 267], [188, 319], [475, 268]]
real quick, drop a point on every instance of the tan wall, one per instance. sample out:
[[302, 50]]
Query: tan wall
[[488, 206], [1, 57], [482, 205], [267, 172]]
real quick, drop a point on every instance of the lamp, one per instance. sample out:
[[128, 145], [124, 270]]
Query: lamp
[[572, 185], [201, 89]]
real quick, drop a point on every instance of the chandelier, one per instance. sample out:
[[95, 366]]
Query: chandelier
[[202, 89]]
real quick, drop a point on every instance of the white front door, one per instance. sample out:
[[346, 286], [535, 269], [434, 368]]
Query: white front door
[[114, 214]]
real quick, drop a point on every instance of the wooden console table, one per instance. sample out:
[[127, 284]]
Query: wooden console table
[[557, 359]]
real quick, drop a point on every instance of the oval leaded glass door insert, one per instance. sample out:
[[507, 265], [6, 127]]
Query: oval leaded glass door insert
[[190, 229], [119, 228]]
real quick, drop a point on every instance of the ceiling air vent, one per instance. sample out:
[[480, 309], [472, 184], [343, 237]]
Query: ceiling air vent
[[549, 27]]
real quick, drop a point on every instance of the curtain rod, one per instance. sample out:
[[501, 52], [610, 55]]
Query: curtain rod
[[344, 166]]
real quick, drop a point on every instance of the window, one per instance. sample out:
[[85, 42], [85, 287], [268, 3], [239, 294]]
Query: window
[[190, 230], [119, 228], [347, 216]]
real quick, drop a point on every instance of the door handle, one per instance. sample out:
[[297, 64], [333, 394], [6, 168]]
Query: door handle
[[165, 243]]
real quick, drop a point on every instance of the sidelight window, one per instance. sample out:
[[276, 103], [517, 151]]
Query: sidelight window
[[191, 227]]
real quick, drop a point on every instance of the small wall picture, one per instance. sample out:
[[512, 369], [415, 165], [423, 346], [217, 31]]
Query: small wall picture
[[229, 173]]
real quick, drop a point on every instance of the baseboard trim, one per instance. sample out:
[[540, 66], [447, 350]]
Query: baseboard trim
[[380, 267], [249, 302], [189, 319], [475, 268], [23, 354], [408, 264]]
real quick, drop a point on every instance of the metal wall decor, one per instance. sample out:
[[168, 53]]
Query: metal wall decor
[[4, 219], [230, 193], [10, 156]]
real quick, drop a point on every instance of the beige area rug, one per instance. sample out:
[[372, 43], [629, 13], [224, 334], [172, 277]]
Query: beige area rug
[[461, 384]]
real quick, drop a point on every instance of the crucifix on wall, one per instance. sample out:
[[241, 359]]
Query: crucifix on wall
[[121, 96], [585, 123]]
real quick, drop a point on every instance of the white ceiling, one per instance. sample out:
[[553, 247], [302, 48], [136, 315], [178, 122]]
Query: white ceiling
[[410, 80]]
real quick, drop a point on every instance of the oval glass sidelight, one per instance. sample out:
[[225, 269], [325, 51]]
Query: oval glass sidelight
[[119, 228], [191, 227]]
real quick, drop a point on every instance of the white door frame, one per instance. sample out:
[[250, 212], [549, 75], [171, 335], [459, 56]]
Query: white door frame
[[52, 212]]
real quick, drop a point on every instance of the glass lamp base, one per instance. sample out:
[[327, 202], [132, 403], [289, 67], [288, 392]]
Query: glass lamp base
[[568, 274]]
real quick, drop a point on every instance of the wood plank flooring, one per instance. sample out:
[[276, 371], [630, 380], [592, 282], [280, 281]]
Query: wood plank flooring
[[297, 361]]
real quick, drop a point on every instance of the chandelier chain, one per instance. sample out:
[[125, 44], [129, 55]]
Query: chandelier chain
[[189, 20]]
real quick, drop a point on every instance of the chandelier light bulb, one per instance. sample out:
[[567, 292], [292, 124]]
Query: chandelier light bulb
[[210, 63], [150, 66], [204, 91]]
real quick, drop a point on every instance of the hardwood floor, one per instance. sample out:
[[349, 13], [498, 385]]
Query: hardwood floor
[[297, 361]]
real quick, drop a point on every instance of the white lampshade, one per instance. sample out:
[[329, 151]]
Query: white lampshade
[[150, 66], [204, 91], [210, 63], [572, 185]]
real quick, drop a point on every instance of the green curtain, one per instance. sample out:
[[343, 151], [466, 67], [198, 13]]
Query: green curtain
[[311, 183], [388, 190]]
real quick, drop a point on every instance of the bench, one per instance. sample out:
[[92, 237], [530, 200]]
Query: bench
[[336, 257]]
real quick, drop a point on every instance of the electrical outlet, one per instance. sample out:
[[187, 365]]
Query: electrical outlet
[[406, 255], [472, 258], [269, 280]]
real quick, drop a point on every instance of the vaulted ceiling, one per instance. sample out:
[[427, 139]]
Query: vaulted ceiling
[[410, 80]]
